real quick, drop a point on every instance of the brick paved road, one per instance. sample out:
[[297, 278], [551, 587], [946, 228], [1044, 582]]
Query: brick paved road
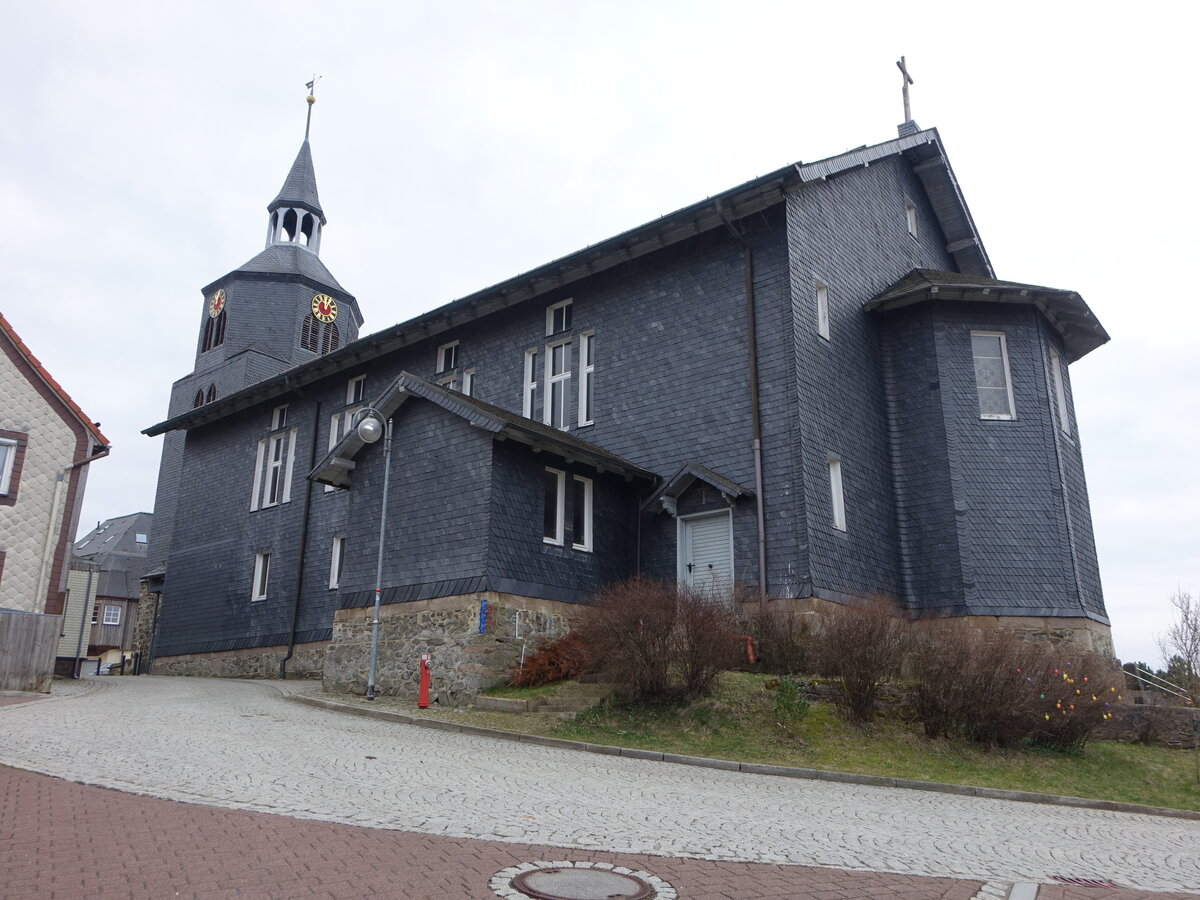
[[239, 745]]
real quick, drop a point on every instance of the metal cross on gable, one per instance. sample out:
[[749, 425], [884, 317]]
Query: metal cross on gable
[[907, 81]]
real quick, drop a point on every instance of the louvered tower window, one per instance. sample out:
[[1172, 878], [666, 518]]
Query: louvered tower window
[[331, 339], [199, 401], [309, 336], [212, 394], [214, 332]]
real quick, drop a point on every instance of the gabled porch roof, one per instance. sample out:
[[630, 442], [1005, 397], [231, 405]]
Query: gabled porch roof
[[688, 474]]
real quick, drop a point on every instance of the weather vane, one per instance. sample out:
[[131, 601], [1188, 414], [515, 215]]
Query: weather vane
[[907, 81], [311, 98]]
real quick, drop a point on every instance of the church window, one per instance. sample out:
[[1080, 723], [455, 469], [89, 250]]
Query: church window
[[837, 494], [558, 318], [529, 394], [274, 464], [910, 217], [356, 390], [581, 514], [587, 367], [468, 382], [309, 333], [554, 506], [214, 332], [212, 394], [822, 310], [558, 382], [336, 559], [331, 338], [447, 357], [262, 575], [198, 401], [993, 381], [1059, 391]]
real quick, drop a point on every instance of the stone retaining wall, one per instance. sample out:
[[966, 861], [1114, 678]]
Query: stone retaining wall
[[462, 661], [308, 661]]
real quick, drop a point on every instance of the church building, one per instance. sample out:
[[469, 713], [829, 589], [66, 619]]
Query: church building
[[811, 386]]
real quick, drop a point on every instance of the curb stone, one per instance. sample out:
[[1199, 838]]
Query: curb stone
[[751, 768]]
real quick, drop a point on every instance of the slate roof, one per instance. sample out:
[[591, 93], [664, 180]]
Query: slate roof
[[121, 558], [923, 150], [300, 187], [334, 469], [21, 348], [289, 259], [1066, 311]]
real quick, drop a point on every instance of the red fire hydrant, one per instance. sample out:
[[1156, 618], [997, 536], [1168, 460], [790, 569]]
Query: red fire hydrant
[[423, 689]]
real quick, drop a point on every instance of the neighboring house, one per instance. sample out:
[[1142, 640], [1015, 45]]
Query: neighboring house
[[46, 446], [811, 385], [107, 569]]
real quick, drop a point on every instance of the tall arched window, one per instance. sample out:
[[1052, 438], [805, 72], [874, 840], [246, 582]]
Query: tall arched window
[[199, 400], [331, 339], [212, 394], [214, 332]]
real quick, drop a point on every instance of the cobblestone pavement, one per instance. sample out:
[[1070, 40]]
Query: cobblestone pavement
[[241, 745]]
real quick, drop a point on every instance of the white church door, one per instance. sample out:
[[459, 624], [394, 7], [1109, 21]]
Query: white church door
[[706, 552]]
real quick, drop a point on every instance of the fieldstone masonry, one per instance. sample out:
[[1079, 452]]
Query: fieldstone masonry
[[462, 660], [307, 661]]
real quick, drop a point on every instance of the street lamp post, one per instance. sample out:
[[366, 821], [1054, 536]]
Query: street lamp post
[[371, 427]]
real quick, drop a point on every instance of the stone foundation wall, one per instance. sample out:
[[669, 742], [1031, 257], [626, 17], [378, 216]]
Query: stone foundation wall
[[308, 661], [462, 661]]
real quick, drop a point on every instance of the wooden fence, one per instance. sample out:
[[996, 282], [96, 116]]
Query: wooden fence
[[28, 642]]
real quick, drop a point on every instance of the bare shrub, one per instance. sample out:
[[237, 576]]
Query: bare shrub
[[861, 647], [781, 641], [1075, 693], [554, 661], [705, 640], [628, 632]]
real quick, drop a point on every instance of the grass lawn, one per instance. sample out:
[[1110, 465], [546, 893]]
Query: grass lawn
[[739, 723]]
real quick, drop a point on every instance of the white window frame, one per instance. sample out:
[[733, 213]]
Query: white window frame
[[837, 493], [529, 394], [554, 379], [910, 216], [279, 417], [140, 538], [587, 368], [447, 357], [356, 390], [268, 464], [822, 291], [116, 617], [586, 543], [1008, 382], [560, 511], [6, 464], [468, 382], [1058, 389], [567, 315], [262, 576], [337, 558]]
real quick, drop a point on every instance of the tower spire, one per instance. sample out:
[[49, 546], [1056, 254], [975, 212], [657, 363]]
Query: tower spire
[[296, 216]]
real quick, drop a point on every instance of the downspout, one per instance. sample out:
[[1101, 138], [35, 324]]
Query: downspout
[[308, 492], [88, 602], [755, 411], [53, 526]]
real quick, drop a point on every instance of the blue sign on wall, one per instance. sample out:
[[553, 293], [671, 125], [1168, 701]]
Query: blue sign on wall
[[483, 615]]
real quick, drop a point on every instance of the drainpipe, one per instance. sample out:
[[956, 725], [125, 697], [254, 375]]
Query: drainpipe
[[308, 492], [87, 604], [53, 526], [755, 411]]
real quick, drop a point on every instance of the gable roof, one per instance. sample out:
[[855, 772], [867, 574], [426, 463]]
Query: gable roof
[[923, 150], [1080, 329], [55, 388], [687, 475], [335, 468], [113, 545]]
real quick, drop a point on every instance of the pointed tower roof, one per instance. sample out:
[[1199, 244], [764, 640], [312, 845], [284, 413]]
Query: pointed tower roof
[[300, 187]]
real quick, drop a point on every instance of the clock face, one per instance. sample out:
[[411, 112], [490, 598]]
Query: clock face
[[216, 303], [324, 308]]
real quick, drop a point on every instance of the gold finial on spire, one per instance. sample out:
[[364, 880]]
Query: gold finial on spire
[[310, 99]]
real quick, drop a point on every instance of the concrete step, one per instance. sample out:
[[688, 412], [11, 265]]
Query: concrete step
[[509, 704]]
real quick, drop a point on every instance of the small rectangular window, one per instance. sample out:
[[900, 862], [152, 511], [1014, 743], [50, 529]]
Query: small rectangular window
[[447, 357], [140, 538], [587, 366], [837, 495], [96, 614], [993, 381], [336, 558], [279, 417], [558, 317], [1059, 388], [822, 310], [112, 615], [262, 575], [356, 390], [581, 514], [529, 394], [554, 507], [468, 382], [558, 382], [910, 217]]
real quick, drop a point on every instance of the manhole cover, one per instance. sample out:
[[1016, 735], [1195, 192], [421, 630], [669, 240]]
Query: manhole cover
[[565, 880]]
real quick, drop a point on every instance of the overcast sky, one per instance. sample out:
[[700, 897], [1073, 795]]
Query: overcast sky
[[457, 144]]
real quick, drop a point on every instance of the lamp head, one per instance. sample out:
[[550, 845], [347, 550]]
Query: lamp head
[[370, 429]]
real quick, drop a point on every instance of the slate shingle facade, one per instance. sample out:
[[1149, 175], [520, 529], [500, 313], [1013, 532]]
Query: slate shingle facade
[[947, 513]]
